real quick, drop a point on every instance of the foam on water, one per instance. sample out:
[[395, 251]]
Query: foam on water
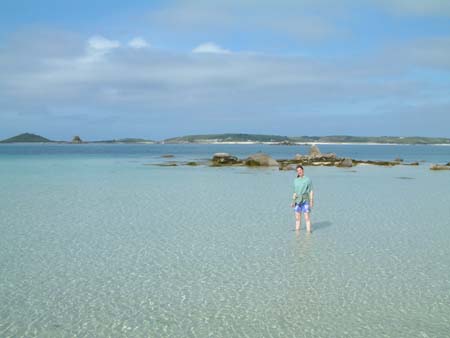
[[109, 246]]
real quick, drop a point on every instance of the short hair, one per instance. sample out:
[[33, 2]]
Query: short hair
[[299, 166]]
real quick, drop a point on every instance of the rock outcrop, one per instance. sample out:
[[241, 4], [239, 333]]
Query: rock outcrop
[[261, 160], [314, 158], [77, 140], [345, 163], [440, 167], [314, 151], [224, 159], [286, 166]]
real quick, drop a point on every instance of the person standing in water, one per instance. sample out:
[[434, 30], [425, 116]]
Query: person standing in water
[[303, 199]]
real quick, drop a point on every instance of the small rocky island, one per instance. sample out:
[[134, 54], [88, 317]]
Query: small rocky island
[[77, 140], [27, 138]]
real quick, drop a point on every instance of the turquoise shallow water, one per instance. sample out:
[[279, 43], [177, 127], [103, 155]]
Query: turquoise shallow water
[[153, 152], [108, 246]]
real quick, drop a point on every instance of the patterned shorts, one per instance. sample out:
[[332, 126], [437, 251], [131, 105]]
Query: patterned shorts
[[302, 207]]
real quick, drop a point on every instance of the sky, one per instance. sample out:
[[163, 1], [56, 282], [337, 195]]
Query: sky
[[160, 69]]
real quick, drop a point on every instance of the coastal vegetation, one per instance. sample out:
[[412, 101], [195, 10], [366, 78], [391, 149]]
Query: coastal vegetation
[[224, 138]]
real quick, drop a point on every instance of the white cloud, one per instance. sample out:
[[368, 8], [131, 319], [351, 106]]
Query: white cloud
[[98, 42], [210, 47], [143, 85], [97, 47], [138, 43]]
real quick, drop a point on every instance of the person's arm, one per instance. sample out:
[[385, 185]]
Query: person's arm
[[294, 196], [311, 198]]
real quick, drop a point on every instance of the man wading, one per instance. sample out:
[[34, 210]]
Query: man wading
[[303, 199]]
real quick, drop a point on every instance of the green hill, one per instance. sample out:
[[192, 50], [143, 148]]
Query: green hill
[[26, 137]]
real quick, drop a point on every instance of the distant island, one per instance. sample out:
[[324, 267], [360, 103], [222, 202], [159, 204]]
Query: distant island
[[33, 138], [244, 139], [27, 138], [224, 138], [126, 140], [285, 140]]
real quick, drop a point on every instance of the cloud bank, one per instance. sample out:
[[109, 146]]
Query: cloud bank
[[300, 81]]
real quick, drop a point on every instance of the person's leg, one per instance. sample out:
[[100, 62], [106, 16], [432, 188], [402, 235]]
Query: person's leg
[[308, 222], [298, 220]]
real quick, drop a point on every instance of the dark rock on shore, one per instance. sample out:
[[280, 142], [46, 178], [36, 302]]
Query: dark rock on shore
[[345, 163], [286, 166], [382, 163], [168, 164], [440, 167], [316, 158], [251, 163], [224, 159], [319, 160]]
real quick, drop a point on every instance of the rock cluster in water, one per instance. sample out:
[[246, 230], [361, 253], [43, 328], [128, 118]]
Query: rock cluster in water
[[440, 166], [314, 158], [260, 160], [224, 159]]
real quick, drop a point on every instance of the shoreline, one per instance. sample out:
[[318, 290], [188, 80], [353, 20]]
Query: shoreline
[[311, 143], [237, 143]]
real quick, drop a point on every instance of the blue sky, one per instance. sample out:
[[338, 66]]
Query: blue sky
[[158, 69]]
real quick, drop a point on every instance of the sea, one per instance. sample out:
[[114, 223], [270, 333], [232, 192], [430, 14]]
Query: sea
[[100, 240]]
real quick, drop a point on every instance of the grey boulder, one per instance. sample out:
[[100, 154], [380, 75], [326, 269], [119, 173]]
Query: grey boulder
[[261, 159]]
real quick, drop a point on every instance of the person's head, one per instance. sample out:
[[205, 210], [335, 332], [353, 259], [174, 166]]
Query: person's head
[[300, 171]]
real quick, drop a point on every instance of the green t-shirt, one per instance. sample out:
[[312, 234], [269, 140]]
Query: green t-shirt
[[302, 187]]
